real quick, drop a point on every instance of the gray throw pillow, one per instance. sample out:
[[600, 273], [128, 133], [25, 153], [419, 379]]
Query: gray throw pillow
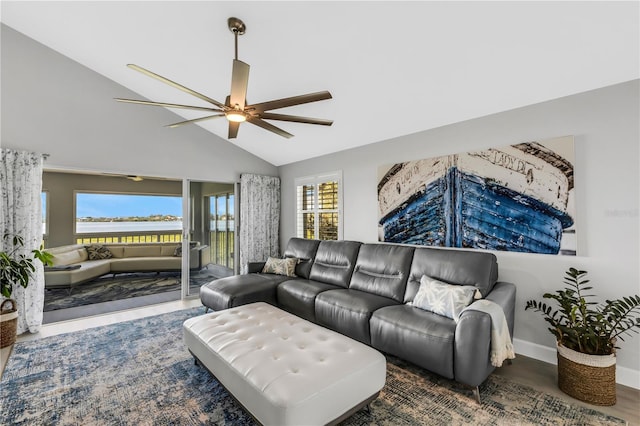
[[178, 251], [280, 266], [98, 251]]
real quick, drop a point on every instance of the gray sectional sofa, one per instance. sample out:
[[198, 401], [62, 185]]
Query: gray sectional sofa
[[365, 291]]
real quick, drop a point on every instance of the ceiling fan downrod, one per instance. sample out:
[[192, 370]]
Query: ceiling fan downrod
[[237, 27]]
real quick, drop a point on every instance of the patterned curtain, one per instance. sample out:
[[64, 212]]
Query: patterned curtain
[[21, 214], [259, 219]]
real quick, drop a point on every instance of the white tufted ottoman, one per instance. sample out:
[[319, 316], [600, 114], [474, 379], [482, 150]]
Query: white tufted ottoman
[[283, 369]]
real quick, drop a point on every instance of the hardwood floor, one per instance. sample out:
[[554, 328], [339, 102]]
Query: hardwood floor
[[543, 377], [524, 370]]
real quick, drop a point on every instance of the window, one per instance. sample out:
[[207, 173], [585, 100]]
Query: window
[[318, 206], [44, 195], [108, 217]]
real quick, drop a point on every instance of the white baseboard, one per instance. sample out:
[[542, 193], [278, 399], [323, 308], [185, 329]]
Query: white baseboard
[[624, 376]]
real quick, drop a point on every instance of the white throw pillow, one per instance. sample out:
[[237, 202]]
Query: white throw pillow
[[443, 299]]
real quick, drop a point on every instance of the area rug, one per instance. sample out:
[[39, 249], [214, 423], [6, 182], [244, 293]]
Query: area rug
[[140, 373], [123, 286]]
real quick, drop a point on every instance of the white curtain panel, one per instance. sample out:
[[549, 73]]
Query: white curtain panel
[[259, 218], [21, 214]]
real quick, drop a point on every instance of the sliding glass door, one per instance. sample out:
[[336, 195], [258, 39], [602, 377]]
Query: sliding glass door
[[209, 234], [222, 228]]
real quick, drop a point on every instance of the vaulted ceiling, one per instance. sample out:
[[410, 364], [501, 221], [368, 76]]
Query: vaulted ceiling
[[393, 68]]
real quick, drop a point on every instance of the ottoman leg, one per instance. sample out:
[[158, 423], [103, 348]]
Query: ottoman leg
[[196, 361]]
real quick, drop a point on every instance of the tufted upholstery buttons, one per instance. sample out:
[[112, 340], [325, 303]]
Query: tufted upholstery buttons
[[283, 368]]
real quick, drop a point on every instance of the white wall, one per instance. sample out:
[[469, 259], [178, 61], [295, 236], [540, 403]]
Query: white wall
[[53, 105], [605, 125]]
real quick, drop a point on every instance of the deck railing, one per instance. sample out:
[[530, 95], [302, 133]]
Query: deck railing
[[221, 247], [222, 242], [130, 237]]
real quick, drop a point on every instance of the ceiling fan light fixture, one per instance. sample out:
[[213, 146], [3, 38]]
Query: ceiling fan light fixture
[[236, 116], [235, 109]]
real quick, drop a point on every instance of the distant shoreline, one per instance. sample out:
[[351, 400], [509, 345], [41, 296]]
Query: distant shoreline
[[153, 218], [142, 226]]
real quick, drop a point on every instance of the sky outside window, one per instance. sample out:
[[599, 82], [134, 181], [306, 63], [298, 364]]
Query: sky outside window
[[117, 213], [124, 205], [43, 198]]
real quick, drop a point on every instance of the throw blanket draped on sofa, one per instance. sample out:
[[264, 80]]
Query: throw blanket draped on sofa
[[501, 346]]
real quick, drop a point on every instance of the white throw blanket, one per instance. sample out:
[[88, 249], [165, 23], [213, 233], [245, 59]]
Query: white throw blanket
[[501, 346]]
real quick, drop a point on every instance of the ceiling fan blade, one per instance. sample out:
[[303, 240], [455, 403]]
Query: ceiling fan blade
[[176, 85], [267, 126], [195, 120], [163, 104], [286, 102], [239, 83], [233, 129], [284, 117]]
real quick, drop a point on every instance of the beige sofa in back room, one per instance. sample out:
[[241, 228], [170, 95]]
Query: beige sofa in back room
[[71, 264]]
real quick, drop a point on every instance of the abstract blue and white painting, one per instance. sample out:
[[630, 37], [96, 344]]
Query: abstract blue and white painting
[[514, 198]]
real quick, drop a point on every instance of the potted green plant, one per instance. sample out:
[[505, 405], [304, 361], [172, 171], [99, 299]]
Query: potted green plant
[[586, 333], [16, 268]]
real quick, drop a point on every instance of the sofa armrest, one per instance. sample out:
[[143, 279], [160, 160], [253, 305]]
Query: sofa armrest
[[204, 255], [504, 294], [255, 267], [194, 256], [472, 347]]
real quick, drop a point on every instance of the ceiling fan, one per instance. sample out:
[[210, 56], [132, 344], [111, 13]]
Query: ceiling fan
[[235, 108]]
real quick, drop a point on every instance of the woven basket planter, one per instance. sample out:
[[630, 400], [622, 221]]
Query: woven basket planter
[[8, 322], [589, 378]]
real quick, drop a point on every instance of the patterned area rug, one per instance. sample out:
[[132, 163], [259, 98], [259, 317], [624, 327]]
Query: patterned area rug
[[140, 373], [123, 286]]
